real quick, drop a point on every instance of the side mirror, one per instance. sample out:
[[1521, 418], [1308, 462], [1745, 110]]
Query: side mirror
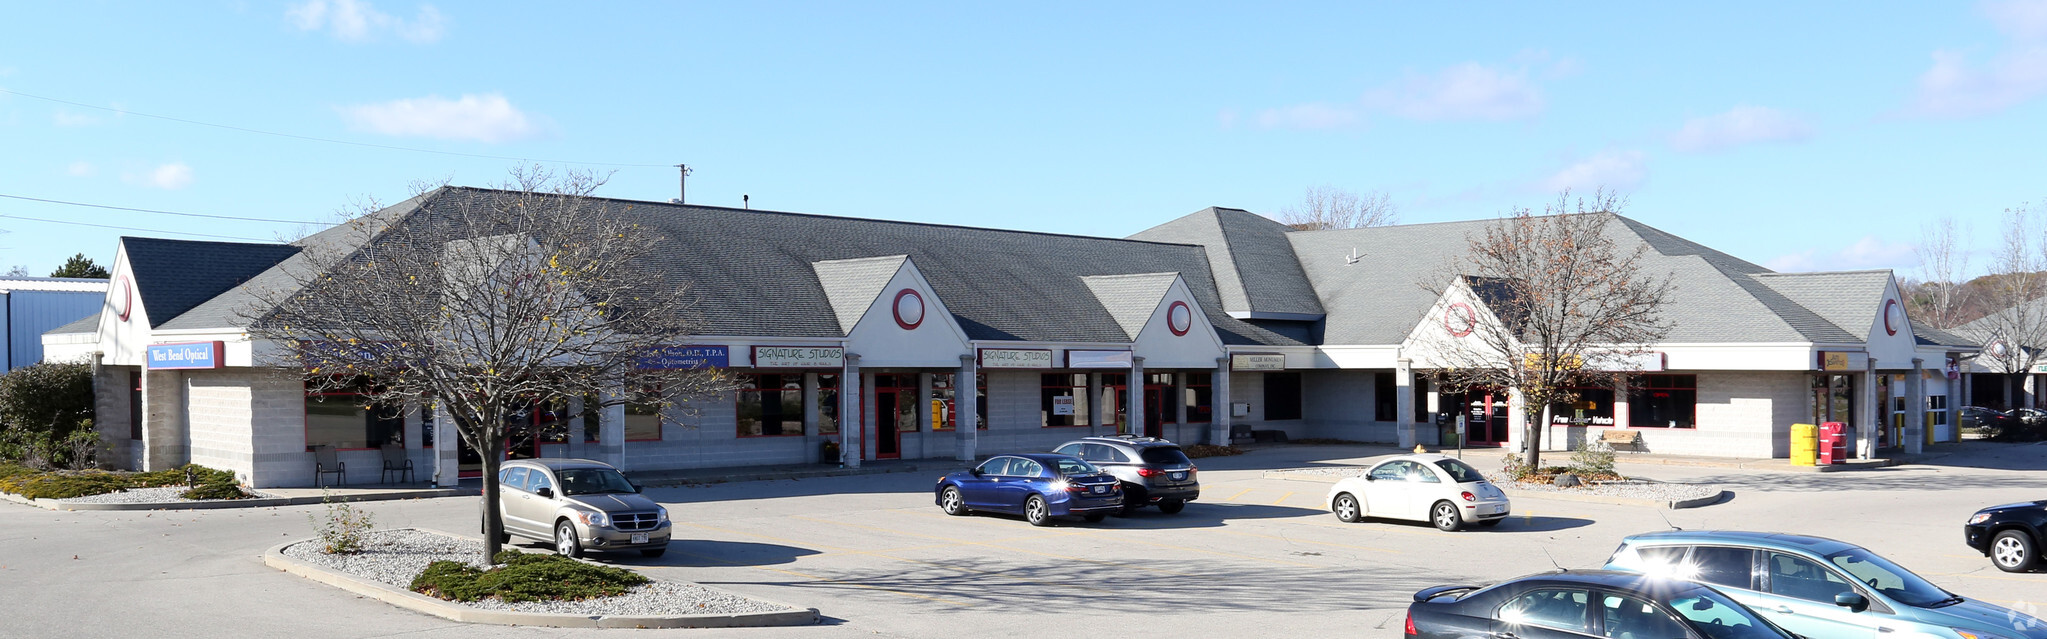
[[544, 491], [1371, 478], [639, 489], [975, 471], [1852, 601]]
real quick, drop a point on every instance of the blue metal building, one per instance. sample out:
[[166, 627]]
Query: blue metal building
[[29, 306]]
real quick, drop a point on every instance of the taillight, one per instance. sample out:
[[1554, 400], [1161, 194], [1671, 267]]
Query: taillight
[[1149, 472], [1468, 496], [1076, 488], [1411, 632]]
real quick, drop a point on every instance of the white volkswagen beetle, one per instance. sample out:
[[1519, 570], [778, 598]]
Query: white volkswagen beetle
[[1440, 490]]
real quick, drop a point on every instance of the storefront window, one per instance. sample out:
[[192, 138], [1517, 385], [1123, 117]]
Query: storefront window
[[770, 405], [1282, 396], [1936, 405], [1593, 408], [1668, 401], [1200, 399], [942, 396], [642, 422], [828, 404], [1113, 388], [1834, 398], [1063, 400], [345, 420], [1385, 397]]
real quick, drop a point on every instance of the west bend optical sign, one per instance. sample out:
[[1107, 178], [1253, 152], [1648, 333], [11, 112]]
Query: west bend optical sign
[[188, 355]]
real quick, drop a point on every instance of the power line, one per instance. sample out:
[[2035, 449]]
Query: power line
[[130, 228], [327, 140], [124, 208]]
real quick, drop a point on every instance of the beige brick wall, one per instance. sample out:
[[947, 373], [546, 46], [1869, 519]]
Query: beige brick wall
[[1740, 414]]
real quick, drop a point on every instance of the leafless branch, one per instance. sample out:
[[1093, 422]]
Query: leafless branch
[[1328, 207]]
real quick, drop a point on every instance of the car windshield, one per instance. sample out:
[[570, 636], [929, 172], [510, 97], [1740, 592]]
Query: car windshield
[[1460, 472], [1165, 455], [593, 481], [1717, 617], [1076, 468], [1897, 583]]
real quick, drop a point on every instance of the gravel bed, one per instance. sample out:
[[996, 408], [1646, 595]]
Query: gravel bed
[[147, 496], [396, 556], [1634, 488]]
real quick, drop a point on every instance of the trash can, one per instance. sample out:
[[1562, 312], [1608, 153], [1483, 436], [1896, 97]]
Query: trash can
[[1805, 443], [1833, 443]]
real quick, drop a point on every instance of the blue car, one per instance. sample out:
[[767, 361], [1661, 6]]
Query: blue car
[[1038, 486]]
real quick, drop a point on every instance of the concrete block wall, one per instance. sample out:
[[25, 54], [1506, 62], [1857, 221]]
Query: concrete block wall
[[1342, 404], [110, 404], [277, 412], [1740, 414], [704, 433], [220, 408]]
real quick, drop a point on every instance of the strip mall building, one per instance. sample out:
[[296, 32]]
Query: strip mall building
[[952, 342]]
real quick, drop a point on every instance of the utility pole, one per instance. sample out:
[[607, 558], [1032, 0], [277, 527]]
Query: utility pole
[[682, 183]]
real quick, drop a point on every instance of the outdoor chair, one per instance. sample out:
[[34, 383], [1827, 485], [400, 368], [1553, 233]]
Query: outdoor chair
[[326, 461], [396, 462]]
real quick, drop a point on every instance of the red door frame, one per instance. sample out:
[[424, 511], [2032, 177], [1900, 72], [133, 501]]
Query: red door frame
[[897, 391]]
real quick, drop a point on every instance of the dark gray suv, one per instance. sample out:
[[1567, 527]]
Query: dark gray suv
[[1153, 470]]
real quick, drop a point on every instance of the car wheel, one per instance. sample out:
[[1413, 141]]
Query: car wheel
[[651, 553], [1445, 517], [1133, 499], [2012, 551], [1036, 512], [1172, 506], [1096, 518], [1492, 522], [565, 542], [1348, 510], [951, 502]]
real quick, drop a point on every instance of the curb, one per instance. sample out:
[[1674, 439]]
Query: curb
[[275, 558], [266, 502], [671, 482], [1516, 493]]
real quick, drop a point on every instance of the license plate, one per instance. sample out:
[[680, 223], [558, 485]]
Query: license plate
[[639, 538], [1101, 489], [1179, 476], [1499, 509]]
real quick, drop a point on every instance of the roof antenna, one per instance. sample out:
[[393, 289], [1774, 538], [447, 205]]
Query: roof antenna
[[1553, 559], [745, 201], [1354, 257], [682, 184], [1666, 520]]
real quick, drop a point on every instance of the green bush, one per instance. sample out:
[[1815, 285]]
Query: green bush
[[1593, 459], [66, 484], [41, 407], [1513, 467], [344, 528], [523, 577], [215, 491]]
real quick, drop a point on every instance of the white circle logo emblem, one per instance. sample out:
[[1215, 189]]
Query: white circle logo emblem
[[123, 297], [1179, 318], [909, 309], [1894, 317]]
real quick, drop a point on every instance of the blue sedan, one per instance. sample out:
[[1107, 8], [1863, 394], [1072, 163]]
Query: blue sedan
[[1038, 486]]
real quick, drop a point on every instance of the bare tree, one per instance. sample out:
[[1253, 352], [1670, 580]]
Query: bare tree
[[2014, 334], [487, 303], [1328, 207], [1941, 296], [1549, 302]]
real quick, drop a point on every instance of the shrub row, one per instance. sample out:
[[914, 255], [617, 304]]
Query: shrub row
[[523, 577], [208, 483]]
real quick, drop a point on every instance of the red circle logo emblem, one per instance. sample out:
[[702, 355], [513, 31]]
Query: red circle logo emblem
[[909, 309], [123, 297], [1459, 319], [1179, 318]]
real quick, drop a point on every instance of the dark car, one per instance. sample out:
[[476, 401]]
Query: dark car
[[1980, 417], [1038, 486], [2009, 535], [1153, 470], [1578, 604]]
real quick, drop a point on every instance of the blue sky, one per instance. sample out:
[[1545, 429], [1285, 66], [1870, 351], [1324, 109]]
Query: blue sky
[[1803, 136]]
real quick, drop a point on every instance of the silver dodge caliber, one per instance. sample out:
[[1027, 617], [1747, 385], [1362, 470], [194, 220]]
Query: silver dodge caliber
[[581, 506]]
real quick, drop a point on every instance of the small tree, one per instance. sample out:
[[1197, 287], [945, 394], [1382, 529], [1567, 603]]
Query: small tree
[[81, 266], [486, 303], [1566, 304], [2014, 334], [1328, 207], [43, 409], [1940, 297]]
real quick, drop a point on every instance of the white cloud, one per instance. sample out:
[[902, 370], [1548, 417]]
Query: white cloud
[[1955, 86], [1469, 91], [483, 118], [1613, 170], [175, 175], [1866, 253], [1312, 116], [80, 169], [68, 119], [1738, 126], [357, 21]]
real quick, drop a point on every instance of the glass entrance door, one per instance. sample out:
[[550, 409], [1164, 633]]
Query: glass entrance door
[[895, 411], [1485, 416]]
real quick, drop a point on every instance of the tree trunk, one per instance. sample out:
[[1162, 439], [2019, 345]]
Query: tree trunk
[[490, 449], [1532, 423]]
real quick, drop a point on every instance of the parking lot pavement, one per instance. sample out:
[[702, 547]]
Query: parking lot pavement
[[1255, 557]]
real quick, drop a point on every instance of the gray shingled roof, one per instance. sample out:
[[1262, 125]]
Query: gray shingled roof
[[1131, 299], [1930, 336], [1846, 302], [1384, 293], [753, 272], [1250, 257], [174, 276], [852, 285], [228, 308], [87, 324]]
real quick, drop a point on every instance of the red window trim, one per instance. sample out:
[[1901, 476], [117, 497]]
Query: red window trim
[[305, 425]]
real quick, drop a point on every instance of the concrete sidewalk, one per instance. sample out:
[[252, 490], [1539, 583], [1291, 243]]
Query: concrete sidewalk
[[1561, 457], [277, 497], [693, 476]]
